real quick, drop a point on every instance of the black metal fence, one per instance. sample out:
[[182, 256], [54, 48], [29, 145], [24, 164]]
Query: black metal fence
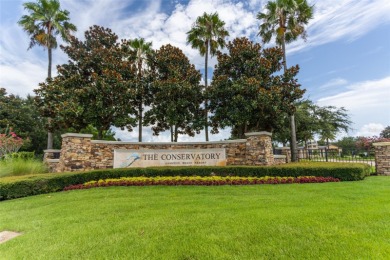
[[333, 155]]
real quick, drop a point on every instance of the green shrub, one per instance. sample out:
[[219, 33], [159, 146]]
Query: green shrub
[[16, 187], [23, 155]]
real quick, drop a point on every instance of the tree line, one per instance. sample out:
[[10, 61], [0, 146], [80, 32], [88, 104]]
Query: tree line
[[104, 84], [125, 83]]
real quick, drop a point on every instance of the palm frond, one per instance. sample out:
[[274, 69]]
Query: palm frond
[[284, 19], [46, 17]]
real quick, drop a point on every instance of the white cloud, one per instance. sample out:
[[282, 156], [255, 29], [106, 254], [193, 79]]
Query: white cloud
[[334, 83], [362, 95], [370, 129], [22, 78], [366, 102], [342, 20]]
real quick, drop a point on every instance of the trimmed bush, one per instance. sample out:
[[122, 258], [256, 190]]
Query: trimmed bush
[[16, 187], [23, 155]]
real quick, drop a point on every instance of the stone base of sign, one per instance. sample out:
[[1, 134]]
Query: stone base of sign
[[382, 158], [80, 153]]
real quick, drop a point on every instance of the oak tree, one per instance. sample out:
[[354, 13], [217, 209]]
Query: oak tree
[[248, 91], [96, 86], [177, 95]]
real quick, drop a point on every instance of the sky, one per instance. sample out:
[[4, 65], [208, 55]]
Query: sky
[[345, 61]]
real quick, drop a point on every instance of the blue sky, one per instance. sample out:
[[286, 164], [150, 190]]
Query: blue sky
[[345, 61]]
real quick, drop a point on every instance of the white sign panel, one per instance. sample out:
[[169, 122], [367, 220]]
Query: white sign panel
[[148, 158]]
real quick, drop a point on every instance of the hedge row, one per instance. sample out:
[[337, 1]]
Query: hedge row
[[16, 187], [196, 180]]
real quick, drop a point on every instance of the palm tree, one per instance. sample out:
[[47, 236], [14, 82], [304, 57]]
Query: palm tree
[[141, 49], [286, 20], [45, 21], [207, 35]]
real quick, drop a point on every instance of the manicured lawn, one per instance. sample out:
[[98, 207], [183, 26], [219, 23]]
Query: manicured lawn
[[347, 220]]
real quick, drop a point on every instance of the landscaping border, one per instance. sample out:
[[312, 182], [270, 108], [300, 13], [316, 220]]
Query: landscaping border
[[22, 186]]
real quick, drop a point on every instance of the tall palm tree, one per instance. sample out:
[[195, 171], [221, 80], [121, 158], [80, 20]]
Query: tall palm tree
[[141, 49], [45, 21], [286, 20], [207, 35]]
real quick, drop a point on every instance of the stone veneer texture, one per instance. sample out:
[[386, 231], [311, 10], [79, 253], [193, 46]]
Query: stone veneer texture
[[80, 153], [382, 158]]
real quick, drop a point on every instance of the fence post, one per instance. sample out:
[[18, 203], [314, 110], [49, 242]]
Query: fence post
[[326, 154]]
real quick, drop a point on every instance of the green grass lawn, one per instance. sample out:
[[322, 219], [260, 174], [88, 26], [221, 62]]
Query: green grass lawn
[[347, 220]]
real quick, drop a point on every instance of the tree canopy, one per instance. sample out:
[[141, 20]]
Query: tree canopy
[[21, 115], [385, 132], [177, 95], [246, 93], [313, 120], [96, 86]]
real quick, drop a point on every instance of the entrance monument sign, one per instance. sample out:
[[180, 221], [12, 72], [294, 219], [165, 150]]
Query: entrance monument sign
[[80, 153], [167, 157]]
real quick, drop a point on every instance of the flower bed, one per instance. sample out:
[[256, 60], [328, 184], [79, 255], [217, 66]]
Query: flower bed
[[197, 180]]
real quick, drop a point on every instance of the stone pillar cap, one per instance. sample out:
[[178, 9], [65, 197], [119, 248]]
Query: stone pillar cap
[[52, 151], [258, 133], [381, 144], [77, 135]]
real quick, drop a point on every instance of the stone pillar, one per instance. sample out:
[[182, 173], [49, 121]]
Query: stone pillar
[[382, 158], [51, 159], [286, 151], [259, 149], [75, 152], [51, 154]]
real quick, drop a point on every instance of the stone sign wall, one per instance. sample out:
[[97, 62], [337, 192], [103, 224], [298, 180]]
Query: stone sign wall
[[80, 153]]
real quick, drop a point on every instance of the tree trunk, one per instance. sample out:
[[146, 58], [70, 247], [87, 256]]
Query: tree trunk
[[100, 134], [293, 146], [171, 133], [206, 127], [140, 101], [284, 55], [49, 133], [49, 66], [140, 122], [176, 134], [293, 140], [49, 136]]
